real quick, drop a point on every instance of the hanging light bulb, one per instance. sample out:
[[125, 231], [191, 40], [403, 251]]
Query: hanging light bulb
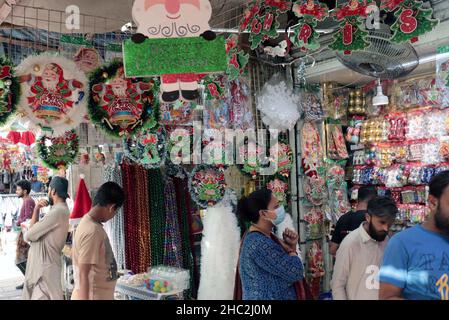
[[380, 99]]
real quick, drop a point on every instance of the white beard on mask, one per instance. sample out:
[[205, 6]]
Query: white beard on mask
[[50, 84]]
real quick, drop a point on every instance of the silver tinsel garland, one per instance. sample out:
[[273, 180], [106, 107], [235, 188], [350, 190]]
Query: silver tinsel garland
[[115, 227]]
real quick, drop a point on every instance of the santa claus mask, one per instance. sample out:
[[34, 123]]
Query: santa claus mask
[[50, 76], [172, 18]]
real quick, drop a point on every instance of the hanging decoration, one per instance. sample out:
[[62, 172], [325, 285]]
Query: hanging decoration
[[87, 59], [9, 91], [315, 269], [237, 59], [54, 93], [336, 144], [279, 189], [207, 185], [261, 20], [58, 152], [215, 86], [314, 218], [337, 190], [179, 43], [217, 114], [284, 159], [311, 148], [351, 35], [311, 11], [177, 113], [412, 19], [119, 105], [442, 76], [279, 104], [147, 147], [252, 165], [240, 101]]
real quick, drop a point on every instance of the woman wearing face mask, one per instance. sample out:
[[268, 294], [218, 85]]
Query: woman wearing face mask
[[268, 268]]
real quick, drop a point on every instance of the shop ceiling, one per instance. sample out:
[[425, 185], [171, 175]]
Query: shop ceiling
[[101, 16]]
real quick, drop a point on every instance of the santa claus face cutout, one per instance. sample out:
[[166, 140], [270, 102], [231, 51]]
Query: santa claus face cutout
[[54, 95], [172, 18], [157, 19], [87, 59]]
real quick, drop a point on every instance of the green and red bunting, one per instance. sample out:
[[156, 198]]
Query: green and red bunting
[[311, 11], [412, 19], [237, 59], [261, 20], [351, 36]]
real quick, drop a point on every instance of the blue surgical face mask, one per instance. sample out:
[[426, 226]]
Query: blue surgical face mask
[[280, 216]]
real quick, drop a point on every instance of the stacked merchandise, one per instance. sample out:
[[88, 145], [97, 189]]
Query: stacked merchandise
[[403, 149]]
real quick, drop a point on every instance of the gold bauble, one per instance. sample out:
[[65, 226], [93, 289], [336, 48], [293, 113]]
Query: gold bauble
[[358, 101], [359, 92], [105, 75], [351, 102], [36, 68]]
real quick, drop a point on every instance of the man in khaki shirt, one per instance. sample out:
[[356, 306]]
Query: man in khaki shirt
[[359, 256], [94, 265], [47, 237]]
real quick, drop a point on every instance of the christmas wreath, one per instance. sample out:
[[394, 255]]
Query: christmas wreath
[[207, 185], [54, 93], [252, 164], [58, 152], [284, 159], [9, 91], [122, 106], [147, 147], [280, 190]]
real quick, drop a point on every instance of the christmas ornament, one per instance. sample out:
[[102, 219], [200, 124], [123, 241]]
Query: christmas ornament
[[119, 105], [311, 12], [87, 59], [351, 36], [207, 185], [215, 86], [240, 102], [9, 91], [315, 270], [237, 59], [54, 93], [177, 113], [147, 147], [284, 159], [58, 152], [412, 19], [314, 218], [279, 189]]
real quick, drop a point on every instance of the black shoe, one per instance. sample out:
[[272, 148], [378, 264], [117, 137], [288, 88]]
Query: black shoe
[[171, 96], [138, 38], [190, 95], [20, 287]]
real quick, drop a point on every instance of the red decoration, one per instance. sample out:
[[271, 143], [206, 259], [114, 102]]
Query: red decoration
[[83, 202], [14, 137], [347, 34], [390, 5], [28, 138], [5, 72], [408, 21]]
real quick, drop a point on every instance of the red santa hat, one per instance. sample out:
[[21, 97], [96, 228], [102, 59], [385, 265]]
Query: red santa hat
[[83, 203]]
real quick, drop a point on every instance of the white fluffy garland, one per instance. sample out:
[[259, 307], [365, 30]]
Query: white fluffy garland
[[77, 113], [279, 105], [219, 254]]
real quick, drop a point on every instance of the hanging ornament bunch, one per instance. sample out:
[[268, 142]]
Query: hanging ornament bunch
[[121, 106], [412, 19], [311, 12], [58, 152], [351, 35], [260, 18], [9, 91]]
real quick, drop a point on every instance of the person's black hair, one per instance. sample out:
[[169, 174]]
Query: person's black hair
[[248, 207], [366, 194], [382, 207], [109, 193], [438, 184], [25, 185]]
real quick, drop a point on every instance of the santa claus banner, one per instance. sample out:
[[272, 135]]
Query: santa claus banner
[[54, 96], [174, 40]]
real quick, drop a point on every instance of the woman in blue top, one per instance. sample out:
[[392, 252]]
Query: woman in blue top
[[269, 268]]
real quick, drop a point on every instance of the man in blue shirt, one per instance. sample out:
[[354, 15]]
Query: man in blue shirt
[[36, 185], [416, 261]]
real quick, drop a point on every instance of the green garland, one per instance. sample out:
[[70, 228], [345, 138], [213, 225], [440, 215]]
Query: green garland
[[10, 91], [61, 153], [150, 112]]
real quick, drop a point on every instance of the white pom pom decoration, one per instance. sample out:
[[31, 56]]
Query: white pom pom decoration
[[279, 105]]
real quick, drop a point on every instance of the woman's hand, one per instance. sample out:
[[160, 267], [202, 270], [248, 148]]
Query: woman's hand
[[290, 239]]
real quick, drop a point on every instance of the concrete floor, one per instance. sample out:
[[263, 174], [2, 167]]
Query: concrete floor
[[10, 276]]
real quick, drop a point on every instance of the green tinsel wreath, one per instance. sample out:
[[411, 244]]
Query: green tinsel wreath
[[201, 191], [150, 112], [61, 153], [10, 91]]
